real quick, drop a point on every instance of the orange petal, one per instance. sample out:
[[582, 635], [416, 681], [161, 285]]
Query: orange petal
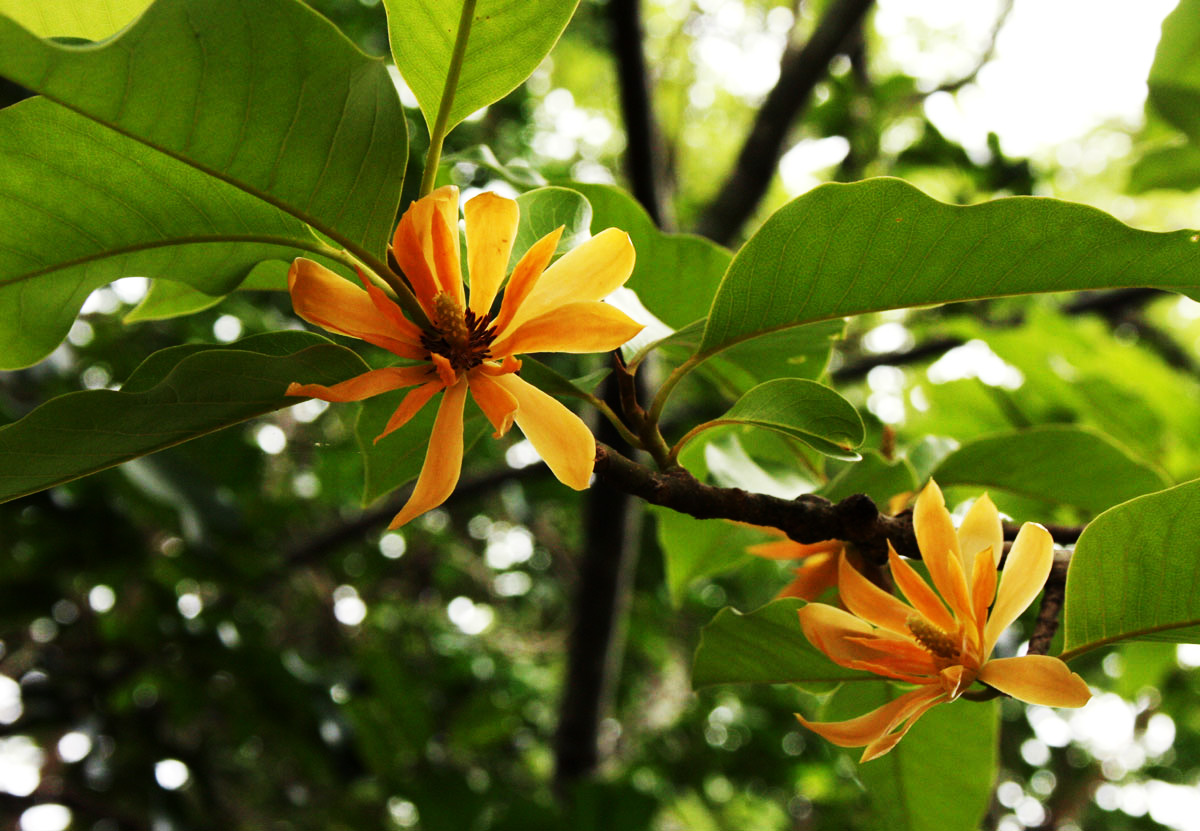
[[983, 590], [871, 603], [525, 276], [954, 589], [981, 529], [323, 298], [792, 550], [390, 310], [411, 405], [917, 707], [445, 369], [497, 403], [558, 435], [447, 267], [876, 724], [918, 592], [589, 326], [491, 229], [443, 459], [589, 272], [837, 633], [939, 544], [1025, 572], [409, 252], [813, 579], [368, 384], [1038, 679]]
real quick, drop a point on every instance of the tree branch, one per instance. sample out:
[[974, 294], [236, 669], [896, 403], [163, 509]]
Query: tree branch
[[799, 72]]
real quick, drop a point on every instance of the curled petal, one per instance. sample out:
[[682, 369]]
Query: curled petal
[[526, 273], [323, 298], [1038, 679], [411, 405], [871, 603], [589, 326], [876, 725], [983, 590], [443, 459], [498, 404], [981, 529], [939, 544], [390, 310], [491, 229], [364, 386], [1025, 572], [589, 272], [445, 369], [558, 435], [923, 598], [843, 637], [445, 256], [915, 709]]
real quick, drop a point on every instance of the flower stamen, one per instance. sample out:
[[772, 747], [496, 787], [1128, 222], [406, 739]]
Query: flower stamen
[[936, 642], [458, 335]]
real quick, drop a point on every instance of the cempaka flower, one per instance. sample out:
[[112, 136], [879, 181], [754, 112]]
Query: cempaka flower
[[468, 347], [940, 644]]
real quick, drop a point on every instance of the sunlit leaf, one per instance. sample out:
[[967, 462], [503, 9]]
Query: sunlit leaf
[[175, 395], [1133, 573], [545, 209], [86, 19], [167, 298], [506, 42]]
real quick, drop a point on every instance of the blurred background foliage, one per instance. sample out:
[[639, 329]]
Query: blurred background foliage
[[217, 636]]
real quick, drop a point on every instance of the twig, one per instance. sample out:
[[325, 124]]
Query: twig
[[799, 72], [984, 58], [1052, 603]]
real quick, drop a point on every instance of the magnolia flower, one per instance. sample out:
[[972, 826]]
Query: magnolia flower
[[940, 644], [818, 571], [468, 347]]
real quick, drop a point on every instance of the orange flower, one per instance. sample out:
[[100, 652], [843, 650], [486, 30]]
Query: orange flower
[[942, 650], [467, 347], [815, 575]]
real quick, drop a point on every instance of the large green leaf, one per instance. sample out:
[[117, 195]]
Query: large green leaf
[[175, 395], [765, 646], [878, 478], [167, 298], [103, 206], [277, 103], [803, 410], [695, 548], [845, 249], [1174, 82], [545, 209], [940, 776], [86, 19], [506, 41], [1134, 572], [1068, 465]]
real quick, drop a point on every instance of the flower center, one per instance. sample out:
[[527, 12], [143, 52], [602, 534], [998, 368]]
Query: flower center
[[457, 334], [938, 643]]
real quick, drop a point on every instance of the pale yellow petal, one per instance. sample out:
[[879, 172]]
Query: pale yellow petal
[[939, 545], [411, 405], [558, 435], [871, 603], [525, 276], [1025, 572], [491, 229], [323, 298], [1038, 679], [497, 403], [918, 593], [363, 386], [443, 459], [981, 529], [592, 271], [589, 326]]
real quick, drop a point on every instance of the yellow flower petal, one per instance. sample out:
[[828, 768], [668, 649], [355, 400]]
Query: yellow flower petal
[[447, 267], [589, 272], [1038, 679], [792, 550], [1025, 572], [981, 529], [918, 592], [939, 545], [368, 384], [558, 435], [916, 708], [876, 724], [983, 590], [871, 603], [409, 251], [497, 403], [491, 229], [443, 459], [323, 298], [833, 631], [589, 326], [525, 275], [411, 405]]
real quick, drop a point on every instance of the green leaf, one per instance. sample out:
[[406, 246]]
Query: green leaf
[[765, 646], [505, 43], [696, 548], [1068, 465], [1174, 82], [803, 410], [277, 103], [396, 459], [102, 206], [875, 476], [846, 249], [86, 19], [167, 298], [549, 380], [676, 275], [517, 172], [1134, 572], [545, 209], [940, 776], [1166, 167], [175, 395]]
